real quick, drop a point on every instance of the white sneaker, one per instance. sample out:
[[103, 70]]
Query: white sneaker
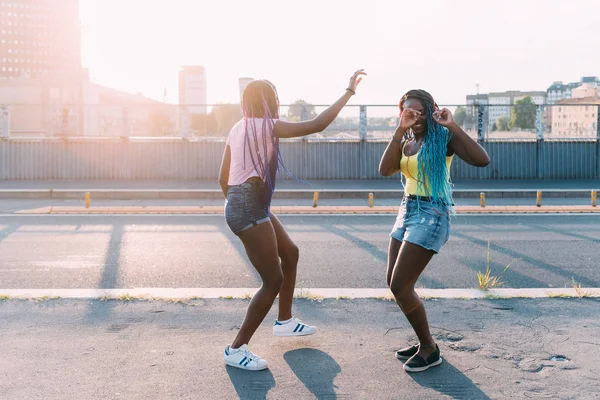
[[245, 359], [294, 327]]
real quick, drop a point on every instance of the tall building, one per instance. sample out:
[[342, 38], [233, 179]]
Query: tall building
[[192, 96], [243, 82], [40, 38], [192, 89]]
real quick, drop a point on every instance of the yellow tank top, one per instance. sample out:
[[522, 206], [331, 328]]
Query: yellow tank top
[[409, 166]]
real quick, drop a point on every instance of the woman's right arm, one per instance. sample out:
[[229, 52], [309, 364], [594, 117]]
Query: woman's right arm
[[284, 129], [390, 161]]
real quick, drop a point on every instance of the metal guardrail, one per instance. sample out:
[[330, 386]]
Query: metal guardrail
[[334, 155], [482, 121]]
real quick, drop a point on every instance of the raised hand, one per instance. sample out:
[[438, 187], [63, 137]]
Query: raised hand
[[443, 117], [355, 79], [408, 118]]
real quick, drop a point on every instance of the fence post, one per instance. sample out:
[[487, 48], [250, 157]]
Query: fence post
[[481, 125], [482, 117], [362, 150], [539, 151], [5, 121]]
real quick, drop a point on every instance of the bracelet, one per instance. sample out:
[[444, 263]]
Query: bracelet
[[396, 140], [351, 91]]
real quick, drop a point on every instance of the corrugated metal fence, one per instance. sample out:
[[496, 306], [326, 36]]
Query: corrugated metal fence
[[176, 158]]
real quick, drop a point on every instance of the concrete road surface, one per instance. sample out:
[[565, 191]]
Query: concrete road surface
[[492, 349], [336, 251]]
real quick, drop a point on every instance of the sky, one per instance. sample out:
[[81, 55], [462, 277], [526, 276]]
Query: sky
[[310, 48]]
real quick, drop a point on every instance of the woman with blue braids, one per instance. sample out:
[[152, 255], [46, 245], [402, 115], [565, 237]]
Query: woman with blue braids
[[422, 149], [247, 178]]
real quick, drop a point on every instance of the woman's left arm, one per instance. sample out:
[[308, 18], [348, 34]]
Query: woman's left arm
[[461, 143]]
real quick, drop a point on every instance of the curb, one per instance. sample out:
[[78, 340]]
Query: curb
[[311, 294], [305, 210], [216, 194]]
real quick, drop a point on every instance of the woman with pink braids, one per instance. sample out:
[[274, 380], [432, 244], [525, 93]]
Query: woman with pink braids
[[247, 178]]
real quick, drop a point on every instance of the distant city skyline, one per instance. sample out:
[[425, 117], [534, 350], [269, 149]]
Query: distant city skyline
[[445, 48]]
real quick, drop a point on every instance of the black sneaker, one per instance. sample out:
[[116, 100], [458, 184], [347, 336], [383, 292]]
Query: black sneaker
[[407, 352], [418, 364]]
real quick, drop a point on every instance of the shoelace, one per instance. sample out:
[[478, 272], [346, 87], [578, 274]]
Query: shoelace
[[250, 355]]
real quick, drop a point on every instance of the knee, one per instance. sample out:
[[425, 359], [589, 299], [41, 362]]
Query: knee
[[273, 283], [401, 290], [294, 253], [291, 255]]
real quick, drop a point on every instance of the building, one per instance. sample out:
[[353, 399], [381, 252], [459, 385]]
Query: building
[[577, 116], [40, 38], [192, 95], [38, 108], [243, 82], [40, 52], [559, 91], [500, 103], [192, 89], [473, 100]]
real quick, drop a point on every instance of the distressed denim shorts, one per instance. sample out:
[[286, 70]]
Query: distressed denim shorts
[[247, 205], [428, 227]]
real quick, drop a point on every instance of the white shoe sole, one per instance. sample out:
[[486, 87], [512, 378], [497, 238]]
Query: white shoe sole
[[237, 365], [289, 334], [421, 369]]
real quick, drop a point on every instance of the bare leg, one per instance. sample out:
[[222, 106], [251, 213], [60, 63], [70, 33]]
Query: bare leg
[[410, 263], [261, 246], [289, 254]]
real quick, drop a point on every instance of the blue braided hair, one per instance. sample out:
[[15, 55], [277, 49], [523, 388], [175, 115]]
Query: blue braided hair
[[433, 178], [260, 100]]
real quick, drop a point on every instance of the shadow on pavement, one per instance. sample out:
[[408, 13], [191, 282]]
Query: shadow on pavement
[[449, 381], [251, 385], [514, 254], [315, 369], [110, 275]]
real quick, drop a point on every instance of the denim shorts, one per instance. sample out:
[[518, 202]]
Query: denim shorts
[[247, 205], [427, 226]]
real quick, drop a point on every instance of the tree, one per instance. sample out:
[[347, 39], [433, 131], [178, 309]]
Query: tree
[[522, 115], [301, 111], [503, 123], [460, 115]]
